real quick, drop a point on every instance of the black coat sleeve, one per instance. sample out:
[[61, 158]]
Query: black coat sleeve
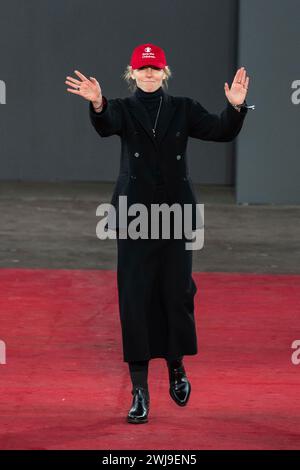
[[109, 120], [217, 128]]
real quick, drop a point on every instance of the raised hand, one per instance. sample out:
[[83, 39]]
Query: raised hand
[[239, 87], [87, 88]]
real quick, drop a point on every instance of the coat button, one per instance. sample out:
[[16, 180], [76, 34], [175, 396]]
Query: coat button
[[133, 177], [136, 154], [178, 157], [178, 134]]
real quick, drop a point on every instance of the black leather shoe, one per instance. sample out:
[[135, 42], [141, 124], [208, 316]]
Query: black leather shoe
[[139, 410], [180, 387]]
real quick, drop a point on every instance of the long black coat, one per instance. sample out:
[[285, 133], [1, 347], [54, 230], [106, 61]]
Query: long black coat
[[155, 285], [144, 158]]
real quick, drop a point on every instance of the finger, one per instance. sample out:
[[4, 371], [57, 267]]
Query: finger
[[77, 92], [243, 79], [75, 85], [74, 80], [93, 80], [236, 77], [239, 75], [246, 82], [80, 75]]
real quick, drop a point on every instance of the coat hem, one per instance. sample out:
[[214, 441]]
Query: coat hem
[[158, 356]]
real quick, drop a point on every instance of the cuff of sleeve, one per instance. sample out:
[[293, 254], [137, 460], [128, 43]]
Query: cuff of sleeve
[[103, 109], [234, 112]]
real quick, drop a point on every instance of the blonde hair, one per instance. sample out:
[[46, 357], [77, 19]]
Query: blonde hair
[[132, 83]]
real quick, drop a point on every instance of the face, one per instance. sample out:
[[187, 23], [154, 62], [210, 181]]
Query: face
[[148, 78]]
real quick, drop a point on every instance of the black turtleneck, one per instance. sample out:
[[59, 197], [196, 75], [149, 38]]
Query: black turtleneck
[[150, 100], [148, 95]]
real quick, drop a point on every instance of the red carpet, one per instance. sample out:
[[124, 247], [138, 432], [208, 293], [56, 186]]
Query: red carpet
[[65, 385]]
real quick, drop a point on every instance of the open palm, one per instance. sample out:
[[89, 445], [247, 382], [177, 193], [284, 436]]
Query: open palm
[[88, 89], [239, 87]]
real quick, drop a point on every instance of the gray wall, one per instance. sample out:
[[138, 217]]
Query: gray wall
[[44, 130], [268, 165]]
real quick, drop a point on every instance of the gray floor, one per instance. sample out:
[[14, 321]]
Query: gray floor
[[53, 225]]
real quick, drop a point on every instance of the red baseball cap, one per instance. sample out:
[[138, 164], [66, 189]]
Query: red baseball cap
[[148, 54]]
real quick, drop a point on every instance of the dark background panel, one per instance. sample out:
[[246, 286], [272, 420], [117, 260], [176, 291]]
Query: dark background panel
[[45, 131], [268, 162]]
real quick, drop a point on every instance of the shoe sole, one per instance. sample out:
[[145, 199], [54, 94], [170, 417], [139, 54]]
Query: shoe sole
[[137, 421]]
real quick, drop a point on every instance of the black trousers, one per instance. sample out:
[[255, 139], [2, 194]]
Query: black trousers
[[156, 297]]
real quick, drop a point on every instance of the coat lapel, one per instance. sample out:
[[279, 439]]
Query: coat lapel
[[167, 110]]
